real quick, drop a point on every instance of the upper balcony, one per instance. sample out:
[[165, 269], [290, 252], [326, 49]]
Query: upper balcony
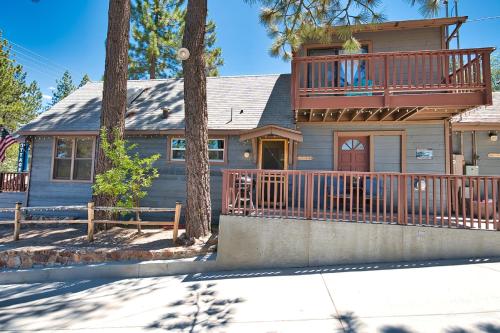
[[391, 86]]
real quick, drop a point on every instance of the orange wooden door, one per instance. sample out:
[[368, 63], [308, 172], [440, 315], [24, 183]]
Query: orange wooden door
[[354, 154]]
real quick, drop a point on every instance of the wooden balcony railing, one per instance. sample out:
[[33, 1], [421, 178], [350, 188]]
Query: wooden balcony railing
[[391, 74], [13, 181], [391, 198]]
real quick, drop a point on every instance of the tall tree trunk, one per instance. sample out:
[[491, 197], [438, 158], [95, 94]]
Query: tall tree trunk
[[114, 98], [152, 67], [198, 208]]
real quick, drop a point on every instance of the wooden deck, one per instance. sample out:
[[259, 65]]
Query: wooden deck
[[390, 86], [391, 198]]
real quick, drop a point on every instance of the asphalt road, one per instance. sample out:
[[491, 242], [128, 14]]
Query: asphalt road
[[451, 297]]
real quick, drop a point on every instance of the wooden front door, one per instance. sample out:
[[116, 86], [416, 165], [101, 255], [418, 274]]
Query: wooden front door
[[273, 186], [354, 153]]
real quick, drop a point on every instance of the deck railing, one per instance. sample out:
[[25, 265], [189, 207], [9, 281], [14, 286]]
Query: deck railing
[[392, 198], [13, 181], [440, 71]]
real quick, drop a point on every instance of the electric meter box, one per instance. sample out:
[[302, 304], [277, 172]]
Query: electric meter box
[[471, 170]]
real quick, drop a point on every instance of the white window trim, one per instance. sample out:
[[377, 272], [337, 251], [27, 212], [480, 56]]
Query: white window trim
[[73, 159], [172, 149]]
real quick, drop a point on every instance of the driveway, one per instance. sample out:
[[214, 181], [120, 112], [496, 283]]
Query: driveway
[[453, 297]]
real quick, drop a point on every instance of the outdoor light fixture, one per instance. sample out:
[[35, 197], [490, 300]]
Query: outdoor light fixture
[[183, 54], [246, 154], [493, 136]]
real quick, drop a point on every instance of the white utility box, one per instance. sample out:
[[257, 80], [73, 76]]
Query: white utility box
[[471, 170]]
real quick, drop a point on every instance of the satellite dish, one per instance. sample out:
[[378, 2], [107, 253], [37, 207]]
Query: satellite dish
[[183, 54]]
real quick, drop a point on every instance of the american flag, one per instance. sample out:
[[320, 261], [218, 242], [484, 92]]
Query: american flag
[[6, 140]]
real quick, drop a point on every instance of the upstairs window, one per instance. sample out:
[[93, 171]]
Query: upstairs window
[[73, 158], [216, 150]]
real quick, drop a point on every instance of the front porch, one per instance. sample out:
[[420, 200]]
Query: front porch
[[446, 201]]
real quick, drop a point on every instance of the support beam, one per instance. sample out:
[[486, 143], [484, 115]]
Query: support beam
[[408, 114], [373, 114], [341, 114], [356, 114], [412, 113], [326, 114], [388, 113]]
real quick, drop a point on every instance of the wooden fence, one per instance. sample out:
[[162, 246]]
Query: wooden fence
[[91, 221], [392, 198], [14, 181]]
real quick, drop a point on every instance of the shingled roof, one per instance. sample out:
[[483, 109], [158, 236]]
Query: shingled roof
[[234, 103], [482, 117]]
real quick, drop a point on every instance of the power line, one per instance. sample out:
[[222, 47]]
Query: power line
[[40, 71], [23, 57], [484, 19], [37, 55]]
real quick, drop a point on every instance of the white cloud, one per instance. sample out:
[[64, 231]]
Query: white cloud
[[46, 96], [52, 88]]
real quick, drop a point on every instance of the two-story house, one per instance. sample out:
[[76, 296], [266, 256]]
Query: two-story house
[[374, 115]]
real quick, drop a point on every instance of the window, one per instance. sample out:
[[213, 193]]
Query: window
[[73, 158], [352, 144], [216, 149]]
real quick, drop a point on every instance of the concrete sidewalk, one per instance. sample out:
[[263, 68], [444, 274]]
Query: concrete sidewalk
[[451, 297]]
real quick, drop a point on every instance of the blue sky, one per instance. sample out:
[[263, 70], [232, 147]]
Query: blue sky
[[52, 35]]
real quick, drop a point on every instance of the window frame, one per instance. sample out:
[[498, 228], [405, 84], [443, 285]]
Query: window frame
[[73, 159], [213, 162]]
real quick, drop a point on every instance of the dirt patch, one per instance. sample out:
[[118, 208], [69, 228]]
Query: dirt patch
[[41, 246]]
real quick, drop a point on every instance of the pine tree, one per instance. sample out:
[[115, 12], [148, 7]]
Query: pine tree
[[198, 201], [292, 22], [20, 101], [84, 80], [114, 96], [64, 87], [157, 29], [213, 54], [495, 71]]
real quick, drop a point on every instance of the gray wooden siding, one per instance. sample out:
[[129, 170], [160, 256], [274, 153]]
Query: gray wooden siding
[[171, 185], [401, 40], [487, 165], [46, 192], [387, 153], [318, 143]]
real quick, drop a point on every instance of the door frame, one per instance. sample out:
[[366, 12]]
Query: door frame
[[285, 144], [371, 138]]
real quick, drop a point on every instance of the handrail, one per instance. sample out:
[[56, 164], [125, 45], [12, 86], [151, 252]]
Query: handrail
[[380, 54], [13, 181], [453, 201], [392, 73]]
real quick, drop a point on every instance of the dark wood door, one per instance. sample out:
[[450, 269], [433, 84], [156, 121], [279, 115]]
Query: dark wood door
[[354, 154]]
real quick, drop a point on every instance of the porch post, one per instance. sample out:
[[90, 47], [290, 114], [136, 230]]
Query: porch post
[[224, 192], [309, 195]]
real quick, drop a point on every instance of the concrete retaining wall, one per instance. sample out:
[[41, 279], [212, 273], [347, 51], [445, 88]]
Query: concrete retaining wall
[[250, 242]]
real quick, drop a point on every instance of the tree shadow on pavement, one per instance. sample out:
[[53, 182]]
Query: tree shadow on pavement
[[351, 323], [240, 274], [199, 311], [51, 306]]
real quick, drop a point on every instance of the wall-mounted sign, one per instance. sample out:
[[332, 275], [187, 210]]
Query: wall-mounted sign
[[424, 154], [305, 158], [494, 155]]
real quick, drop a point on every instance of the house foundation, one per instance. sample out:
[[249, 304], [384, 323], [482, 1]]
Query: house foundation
[[254, 242]]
